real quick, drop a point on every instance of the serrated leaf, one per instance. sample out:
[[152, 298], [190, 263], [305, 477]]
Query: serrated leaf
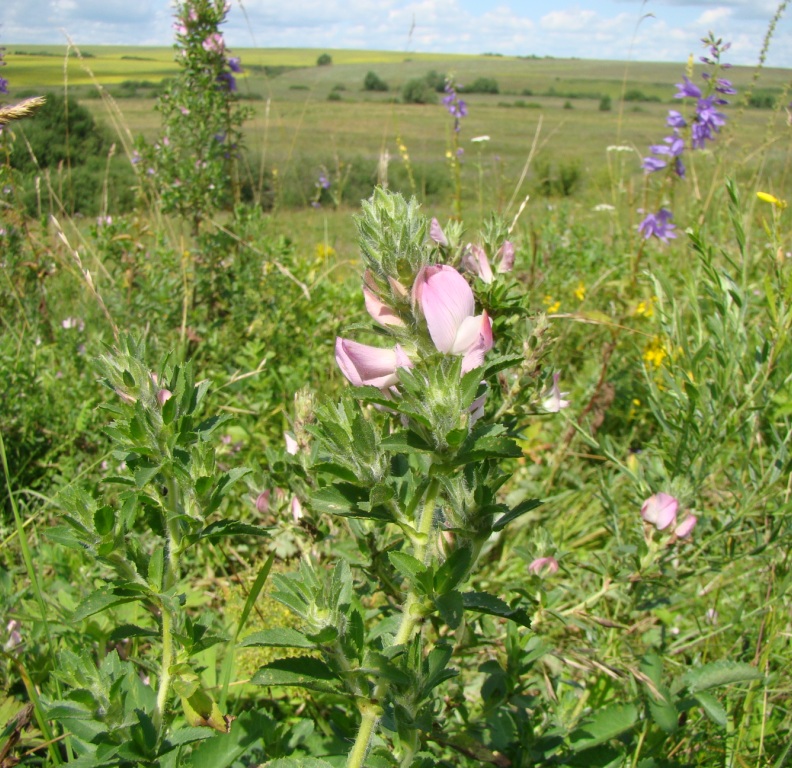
[[605, 724], [520, 509], [451, 608], [482, 602], [303, 672], [124, 631], [406, 565], [719, 673], [453, 571], [222, 528], [405, 442], [281, 637], [713, 708], [107, 597]]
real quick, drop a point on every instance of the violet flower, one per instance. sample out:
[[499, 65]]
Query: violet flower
[[658, 225], [234, 64], [447, 303], [687, 89]]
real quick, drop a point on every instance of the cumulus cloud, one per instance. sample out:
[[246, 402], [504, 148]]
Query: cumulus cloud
[[606, 29]]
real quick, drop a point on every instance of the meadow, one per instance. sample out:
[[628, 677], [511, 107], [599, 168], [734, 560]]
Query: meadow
[[523, 500]]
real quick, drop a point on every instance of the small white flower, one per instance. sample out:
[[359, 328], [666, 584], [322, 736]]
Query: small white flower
[[604, 207], [479, 139]]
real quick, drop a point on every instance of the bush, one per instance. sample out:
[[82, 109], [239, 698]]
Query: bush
[[373, 82], [418, 91], [605, 104], [482, 85], [334, 96], [324, 60], [435, 80]]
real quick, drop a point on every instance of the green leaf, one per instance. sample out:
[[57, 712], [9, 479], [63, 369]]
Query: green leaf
[[303, 672], [406, 565], [520, 509], [719, 673], [298, 762], [144, 474], [104, 520], [660, 701], [156, 567], [187, 736], [481, 602], [124, 631], [451, 608], [605, 724], [222, 750], [453, 571], [280, 637], [713, 708], [128, 378], [107, 597], [405, 442], [222, 528]]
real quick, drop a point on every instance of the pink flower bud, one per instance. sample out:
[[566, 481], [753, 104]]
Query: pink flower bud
[[505, 257], [660, 510], [296, 509], [436, 233], [380, 311], [163, 396], [263, 502], [475, 261], [544, 566], [685, 528], [365, 365]]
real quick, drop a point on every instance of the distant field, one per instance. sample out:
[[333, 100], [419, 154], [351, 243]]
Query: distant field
[[296, 130]]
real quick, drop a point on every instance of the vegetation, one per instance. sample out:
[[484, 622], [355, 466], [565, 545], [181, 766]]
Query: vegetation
[[305, 481]]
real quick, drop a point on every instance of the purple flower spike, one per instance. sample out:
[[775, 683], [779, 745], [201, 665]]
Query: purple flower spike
[[234, 64], [652, 164], [658, 225], [675, 119], [687, 90]]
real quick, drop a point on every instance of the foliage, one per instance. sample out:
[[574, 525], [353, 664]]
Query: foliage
[[418, 91], [324, 60], [482, 85], [373, 82]]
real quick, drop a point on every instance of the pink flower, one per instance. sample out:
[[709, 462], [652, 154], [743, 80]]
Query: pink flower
[[505, 257], [364, 365], [296, 509], [163, 395], [292, 446], [214, 43], [544, 566], [660, 510], [447, 303], [379, 310], [436, 233], [475, 261], [263, 501], [553, 401], [685, 528]]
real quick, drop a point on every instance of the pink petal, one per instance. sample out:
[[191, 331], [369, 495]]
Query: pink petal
[[366, 365], [506, 255], [436, 233], [685, 528], [544, 566], [446, 300], [481, 344], [660, 510], [475, 260], [381, 312], [292, 448]]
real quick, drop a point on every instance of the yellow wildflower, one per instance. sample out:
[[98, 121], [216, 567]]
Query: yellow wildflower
[[552, 306], [580, 292], [645, 308], [655, 353], [772, 199], [324, 251]]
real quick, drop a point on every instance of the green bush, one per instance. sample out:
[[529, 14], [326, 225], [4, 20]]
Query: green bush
[[418, 91], [324, 60], [334, 96], [605, 104], [482, 85], [373, 82]]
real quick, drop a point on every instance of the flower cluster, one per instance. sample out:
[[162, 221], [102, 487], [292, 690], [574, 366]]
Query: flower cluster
[[706, 120], [661, 511], [456, 107], [702, 126], [3, 81], [442, 302]]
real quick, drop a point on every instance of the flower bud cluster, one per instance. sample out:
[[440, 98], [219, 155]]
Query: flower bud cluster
[[661, 511]]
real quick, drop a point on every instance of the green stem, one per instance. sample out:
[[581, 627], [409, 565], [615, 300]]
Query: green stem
[[370, 710], [165, 675]]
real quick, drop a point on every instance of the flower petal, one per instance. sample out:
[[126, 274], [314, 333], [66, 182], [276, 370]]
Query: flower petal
[[660, 510], [446, 300], [379, 310], [365, 365]]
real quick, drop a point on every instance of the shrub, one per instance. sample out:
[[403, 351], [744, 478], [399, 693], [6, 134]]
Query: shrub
[[334, 96], [373, 82], [435, 80], [324, 60], [418, 91], [482, 85], [605, 104]]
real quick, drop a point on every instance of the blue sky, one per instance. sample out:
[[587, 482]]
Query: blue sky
[[656, 30]]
